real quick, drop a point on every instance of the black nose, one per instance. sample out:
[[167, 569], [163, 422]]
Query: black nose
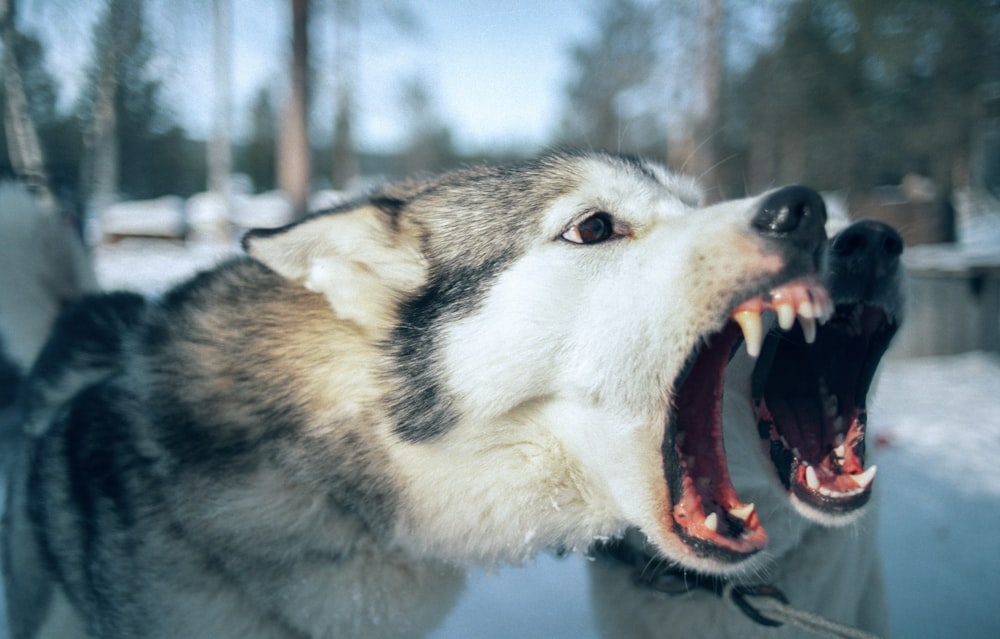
[[868, 240], [795, 212], [863, 261]]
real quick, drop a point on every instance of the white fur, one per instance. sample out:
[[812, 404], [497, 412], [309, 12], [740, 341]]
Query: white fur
[[559, 375], [43, 266]]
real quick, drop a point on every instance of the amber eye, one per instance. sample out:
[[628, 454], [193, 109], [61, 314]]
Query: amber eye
[[596, 228]]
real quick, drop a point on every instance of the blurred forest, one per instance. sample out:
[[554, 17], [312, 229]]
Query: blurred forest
[[843, 94]]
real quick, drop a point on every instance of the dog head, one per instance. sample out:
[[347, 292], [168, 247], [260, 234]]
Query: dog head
[[555, 335], [810, 384]]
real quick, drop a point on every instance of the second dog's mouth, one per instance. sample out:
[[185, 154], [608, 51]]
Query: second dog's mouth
[[707, 514], [810, 400]]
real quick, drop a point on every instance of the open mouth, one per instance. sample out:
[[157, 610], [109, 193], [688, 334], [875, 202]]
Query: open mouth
[[810, 390], [707, 513]]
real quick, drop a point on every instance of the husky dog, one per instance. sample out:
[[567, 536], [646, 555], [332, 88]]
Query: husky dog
[[313, 439], [43, 266], [794, 425]]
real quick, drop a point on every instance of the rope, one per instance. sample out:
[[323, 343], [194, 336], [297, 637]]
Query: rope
[[770, 608], [762, 603]]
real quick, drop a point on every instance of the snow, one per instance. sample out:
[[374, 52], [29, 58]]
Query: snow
[[938, 424]]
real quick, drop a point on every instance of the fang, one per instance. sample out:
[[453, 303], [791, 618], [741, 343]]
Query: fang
[[712, 522], [753, 331], [742, 512], [863, 480], [812, 480]]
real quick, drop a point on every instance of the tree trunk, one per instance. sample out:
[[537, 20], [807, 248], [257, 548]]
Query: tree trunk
[[122, 26], [23, 146], [346, 42], [220, 146], [293, 153]]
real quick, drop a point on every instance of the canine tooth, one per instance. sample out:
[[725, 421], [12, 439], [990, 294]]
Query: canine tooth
[[840, 451], [811, 479], [712, 522], [806, 310], [753, 331], [865, 478], [742, 512], [808, 328], [786, 316]]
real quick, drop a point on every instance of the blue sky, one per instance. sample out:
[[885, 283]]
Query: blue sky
[[495, 69]]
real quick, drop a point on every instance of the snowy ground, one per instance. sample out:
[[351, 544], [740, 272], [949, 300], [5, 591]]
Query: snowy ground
[[939, 423]]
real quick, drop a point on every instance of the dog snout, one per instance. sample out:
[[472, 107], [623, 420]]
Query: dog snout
[[795, 213], [870, 242], [863, 260]]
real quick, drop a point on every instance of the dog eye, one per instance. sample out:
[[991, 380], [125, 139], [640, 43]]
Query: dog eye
[[591, 230]]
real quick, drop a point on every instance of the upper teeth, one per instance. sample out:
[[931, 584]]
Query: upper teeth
[[808, 302], [753, 331], [865, 478], [808, 328], [742, 512], [786, 316]]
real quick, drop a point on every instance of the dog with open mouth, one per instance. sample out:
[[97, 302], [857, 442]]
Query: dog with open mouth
[[317, 437], [795, 421]]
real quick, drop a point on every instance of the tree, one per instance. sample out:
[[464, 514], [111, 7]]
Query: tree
[[606, 106], [115, 34], [219, 145], [856, 93], [23, 145], [347, 20], [347, 25], [132, 143], [293, 151], [429, 148], [258, 156]]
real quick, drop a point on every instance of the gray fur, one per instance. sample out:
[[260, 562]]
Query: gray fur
[[282, 447]]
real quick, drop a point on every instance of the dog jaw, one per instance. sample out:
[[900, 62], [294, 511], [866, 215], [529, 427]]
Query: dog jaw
[[810, 386]]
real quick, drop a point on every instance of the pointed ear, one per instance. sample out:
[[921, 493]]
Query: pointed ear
[[358, 258]]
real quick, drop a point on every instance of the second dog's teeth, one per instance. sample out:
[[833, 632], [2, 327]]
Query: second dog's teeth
[[808, 328], [742, 512], [812, 480], [712, 522], [865, 478], [786, 316], [753, 330]]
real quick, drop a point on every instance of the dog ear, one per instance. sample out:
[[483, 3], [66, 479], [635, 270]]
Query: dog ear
[[359, 258]]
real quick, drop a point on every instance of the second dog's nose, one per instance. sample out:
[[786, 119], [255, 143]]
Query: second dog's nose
[[864, 261], [880, 241], [796, 212]]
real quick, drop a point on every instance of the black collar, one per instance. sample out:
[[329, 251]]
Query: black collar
[[662, 576], [651, 572]]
